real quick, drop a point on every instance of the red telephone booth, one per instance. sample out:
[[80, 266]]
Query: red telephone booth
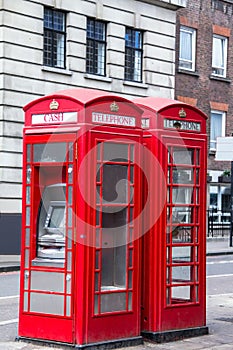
[[81, 195], [174, 285]]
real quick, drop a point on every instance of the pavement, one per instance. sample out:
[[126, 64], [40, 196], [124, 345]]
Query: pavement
[[219, 314]]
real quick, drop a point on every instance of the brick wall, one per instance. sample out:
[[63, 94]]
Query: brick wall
[[207, 17]]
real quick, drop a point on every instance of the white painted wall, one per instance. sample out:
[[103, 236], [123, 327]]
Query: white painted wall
[[25, 78]]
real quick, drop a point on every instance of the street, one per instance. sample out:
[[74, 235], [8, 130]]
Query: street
[[219, 286]]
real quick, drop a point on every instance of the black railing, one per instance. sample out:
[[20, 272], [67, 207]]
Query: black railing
[[219, 223]]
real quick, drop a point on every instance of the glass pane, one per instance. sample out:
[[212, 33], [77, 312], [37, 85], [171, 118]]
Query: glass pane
[[113, 302], [59, 50], [182, 195], [96, 309], [97, 220], [115, 151], [70, 195], [70, 217], [50, 152], [181, 294], [28, 195], [27, 237], [96, 281], [181, 234], [130, 279], [181, 254], [113, 268], [28, 212], [182, 175], [29, 173], [181, 274], [25, 302], [28, 153], [97, 238], [97, 256], [26, 258], [130, 301], [69, 261], [181, 215], [68, 306], [114, 250], [48, 18], [70, 174], [115, 183], [59, 21], [70, 152], [183, 156]]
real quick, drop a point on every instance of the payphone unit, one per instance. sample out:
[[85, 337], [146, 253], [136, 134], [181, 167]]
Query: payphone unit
[[51, 223]]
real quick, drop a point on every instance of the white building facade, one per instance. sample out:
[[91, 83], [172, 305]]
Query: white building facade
[[125, 46]]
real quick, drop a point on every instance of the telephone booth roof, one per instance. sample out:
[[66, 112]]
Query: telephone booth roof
[[157, 109], [113, 109]]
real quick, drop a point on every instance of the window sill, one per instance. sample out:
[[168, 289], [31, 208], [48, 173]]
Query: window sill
[[212, 152], [135, 84], [219, 78], [189, 72], [98, 77], [56, 70]]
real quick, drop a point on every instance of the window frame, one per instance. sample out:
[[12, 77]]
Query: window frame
[[129, 76], [53, 33], [192, 61], [224, 40], [223, 125], [93, 68]]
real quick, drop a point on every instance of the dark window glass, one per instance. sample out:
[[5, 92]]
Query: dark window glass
[[54, 38], [96, 47], [133, 55]]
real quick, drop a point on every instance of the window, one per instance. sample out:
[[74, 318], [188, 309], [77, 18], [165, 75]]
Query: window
[[133, 55], [187, 48], [217, 127], [54, 38], [96, 47], [219, 56]]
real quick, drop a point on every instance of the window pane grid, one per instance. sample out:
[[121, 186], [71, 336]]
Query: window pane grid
[[182, 225], [187, 48], [54, 38], [96, 47], [133, 55], [219, 56]]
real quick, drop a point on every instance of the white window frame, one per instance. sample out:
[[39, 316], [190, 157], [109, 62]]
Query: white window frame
[[213, 141], [219, 64], [185, 63]]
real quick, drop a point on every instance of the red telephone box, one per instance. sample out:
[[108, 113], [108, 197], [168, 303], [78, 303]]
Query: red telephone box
[[81, 195], [174, 287]]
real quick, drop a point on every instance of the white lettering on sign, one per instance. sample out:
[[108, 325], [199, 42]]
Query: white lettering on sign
[[182, 125], [145, 123], [102, 118], [55, 118]]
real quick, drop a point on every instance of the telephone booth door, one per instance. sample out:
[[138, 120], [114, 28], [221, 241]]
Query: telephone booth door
[[174, 288], [47, 254], [114, 289]]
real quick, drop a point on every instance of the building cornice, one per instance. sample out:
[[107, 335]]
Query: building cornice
[[170, 4]]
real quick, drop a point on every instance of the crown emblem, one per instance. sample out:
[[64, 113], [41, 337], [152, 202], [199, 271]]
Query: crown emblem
[[54, 104], [182, 113], [114, 107]]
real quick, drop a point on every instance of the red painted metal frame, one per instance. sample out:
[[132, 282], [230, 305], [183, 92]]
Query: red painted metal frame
[[81, 326], [158, 315]]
